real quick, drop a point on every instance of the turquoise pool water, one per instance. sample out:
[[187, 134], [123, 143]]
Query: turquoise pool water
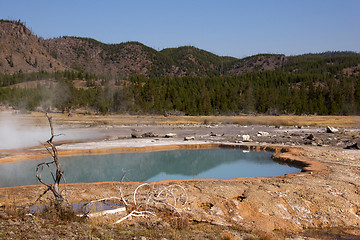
[[151, 166]]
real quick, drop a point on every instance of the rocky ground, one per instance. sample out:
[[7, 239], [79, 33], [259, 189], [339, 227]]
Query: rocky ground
[[322, 202]]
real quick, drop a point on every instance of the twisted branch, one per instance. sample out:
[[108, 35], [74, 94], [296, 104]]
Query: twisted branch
[[53, 187]]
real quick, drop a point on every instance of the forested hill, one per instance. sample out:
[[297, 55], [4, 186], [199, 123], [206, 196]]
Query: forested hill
[[22, 51], [69, 73]]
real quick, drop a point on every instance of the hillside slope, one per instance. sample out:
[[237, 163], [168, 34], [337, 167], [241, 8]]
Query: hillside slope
[[22, 51], [190, 60], [261, 62], [89, 55]]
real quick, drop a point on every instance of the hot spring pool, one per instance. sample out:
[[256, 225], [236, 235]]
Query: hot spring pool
[[151, 166]]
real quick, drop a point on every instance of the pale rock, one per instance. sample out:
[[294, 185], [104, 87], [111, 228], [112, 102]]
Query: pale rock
[[246, 138], [260, 133], [331, 129], [170, 135], [189, 138]]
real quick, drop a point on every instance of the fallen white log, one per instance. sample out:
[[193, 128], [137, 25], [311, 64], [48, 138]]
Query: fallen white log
[[105, 212]]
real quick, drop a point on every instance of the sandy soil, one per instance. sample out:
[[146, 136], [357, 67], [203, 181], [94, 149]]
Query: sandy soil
[[325, 195]]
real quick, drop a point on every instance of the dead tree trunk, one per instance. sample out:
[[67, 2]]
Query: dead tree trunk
[[54, 187]]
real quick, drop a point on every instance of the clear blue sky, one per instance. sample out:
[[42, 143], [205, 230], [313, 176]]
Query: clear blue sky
[[225, 27]]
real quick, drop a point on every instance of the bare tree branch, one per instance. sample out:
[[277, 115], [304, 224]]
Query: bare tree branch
[[135, 213], [53, 187]]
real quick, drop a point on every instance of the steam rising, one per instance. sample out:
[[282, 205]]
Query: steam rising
[[14, 133]]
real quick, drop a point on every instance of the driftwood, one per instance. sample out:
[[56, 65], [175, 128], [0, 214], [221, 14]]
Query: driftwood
[[59, 174], [151, 200], [148, 200]]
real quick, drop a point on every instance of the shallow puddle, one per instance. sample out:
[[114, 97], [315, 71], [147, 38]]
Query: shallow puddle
[[85, 207]]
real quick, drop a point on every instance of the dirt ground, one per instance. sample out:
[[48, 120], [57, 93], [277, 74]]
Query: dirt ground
[[321, 202]]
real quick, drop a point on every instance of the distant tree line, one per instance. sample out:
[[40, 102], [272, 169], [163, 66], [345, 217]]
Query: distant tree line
[[267, 92], [271, 92]]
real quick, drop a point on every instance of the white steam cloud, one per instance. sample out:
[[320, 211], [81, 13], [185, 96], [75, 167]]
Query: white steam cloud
[[15, 134]]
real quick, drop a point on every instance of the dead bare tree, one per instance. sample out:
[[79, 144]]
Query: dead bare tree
[[59, 174]]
